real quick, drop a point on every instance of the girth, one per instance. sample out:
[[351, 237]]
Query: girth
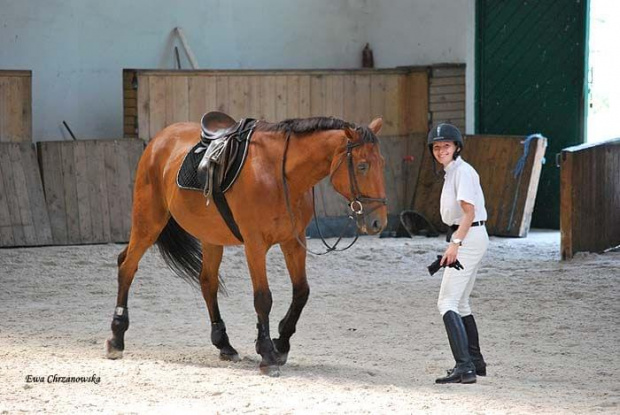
[[213, 165]]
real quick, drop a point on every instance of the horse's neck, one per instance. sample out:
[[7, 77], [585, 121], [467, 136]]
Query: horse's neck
[[309, 158]]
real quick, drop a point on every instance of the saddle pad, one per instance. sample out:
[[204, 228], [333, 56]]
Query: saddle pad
[[188, 176]]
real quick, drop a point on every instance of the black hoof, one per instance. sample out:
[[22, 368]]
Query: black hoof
[[281, 350], [230, 357], [271, 371], [111, 351]]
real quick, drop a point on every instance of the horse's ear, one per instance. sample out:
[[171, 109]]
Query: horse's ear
[[350, 133], [376, 124]]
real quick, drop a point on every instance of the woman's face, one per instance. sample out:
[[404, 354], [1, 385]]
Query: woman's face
[[444, 152]]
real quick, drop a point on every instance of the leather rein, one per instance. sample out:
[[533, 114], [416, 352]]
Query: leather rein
[[356, 205]]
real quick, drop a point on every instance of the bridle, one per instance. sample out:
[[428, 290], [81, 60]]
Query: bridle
[[356, 204]]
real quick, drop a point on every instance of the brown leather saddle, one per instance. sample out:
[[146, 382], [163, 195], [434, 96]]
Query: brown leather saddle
[[214, 163], [216, 124]]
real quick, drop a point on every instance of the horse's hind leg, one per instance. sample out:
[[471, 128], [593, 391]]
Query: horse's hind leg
[[148, 220], [209, 284], [295, 257]]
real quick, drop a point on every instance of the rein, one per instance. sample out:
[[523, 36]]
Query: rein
[[356, 205]]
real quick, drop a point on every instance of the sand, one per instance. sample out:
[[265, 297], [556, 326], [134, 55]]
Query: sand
[[370, 340]]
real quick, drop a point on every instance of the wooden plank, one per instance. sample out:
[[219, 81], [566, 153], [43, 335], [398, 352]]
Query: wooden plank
[[82, 192], [566, 205], [455, 80], [110, 157], [317, 96], [70, 190], [446, 98], [22, 196], [361, 95], [180, 100], [292, 96], [222, 99], [51, 169], [392, 124], [144, 108], [34, 187], [447, 89], [254, 98], [448, 71], [417, 105], [378, 95], [9, 172], [281, 98], [268, 98], [6, 222], [334, 96], [123, 175], [157, 104], [238, 92], [349, 105], [304, 96], [448, 106], [534, 172], [97, 202]]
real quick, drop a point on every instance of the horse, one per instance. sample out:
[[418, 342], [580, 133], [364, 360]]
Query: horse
[[272, 203]]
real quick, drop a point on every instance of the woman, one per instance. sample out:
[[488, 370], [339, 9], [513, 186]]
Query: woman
[[462, 209]]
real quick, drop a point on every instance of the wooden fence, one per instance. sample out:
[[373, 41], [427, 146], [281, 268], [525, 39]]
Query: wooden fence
[[590, 198], [509, 199], [24, 219], [154, 99], [88, 187], [15, 106]]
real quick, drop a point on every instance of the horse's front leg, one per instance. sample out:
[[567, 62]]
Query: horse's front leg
[[209, 284], [295, 257], [256, 256]]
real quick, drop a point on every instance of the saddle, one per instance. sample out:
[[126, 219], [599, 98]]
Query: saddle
[[214, 163]]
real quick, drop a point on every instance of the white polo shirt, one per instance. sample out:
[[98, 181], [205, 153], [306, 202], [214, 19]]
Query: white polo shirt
[[461, 182]]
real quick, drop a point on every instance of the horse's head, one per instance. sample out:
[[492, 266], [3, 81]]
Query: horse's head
[[357, 174]]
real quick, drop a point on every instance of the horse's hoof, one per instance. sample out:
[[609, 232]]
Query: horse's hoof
[[230, 357], [281, 358], [271, 371], [111, 352]]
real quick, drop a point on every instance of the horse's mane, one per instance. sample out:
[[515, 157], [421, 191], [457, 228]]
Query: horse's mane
[[302, 126]]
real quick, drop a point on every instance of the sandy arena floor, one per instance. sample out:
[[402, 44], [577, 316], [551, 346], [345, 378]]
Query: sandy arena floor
[[370, 340]]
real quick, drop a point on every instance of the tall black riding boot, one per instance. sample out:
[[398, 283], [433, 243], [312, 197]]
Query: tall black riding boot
[[464, 371], [474, 346]]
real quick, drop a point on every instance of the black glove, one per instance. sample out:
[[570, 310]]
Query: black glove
[[435, 266]]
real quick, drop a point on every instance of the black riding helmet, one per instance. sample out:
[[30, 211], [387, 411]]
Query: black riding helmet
[[445, 132]]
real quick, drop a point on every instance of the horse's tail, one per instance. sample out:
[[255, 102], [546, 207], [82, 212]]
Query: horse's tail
[[181, 252]]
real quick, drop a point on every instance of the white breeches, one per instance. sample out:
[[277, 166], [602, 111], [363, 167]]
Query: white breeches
[[456, 285]]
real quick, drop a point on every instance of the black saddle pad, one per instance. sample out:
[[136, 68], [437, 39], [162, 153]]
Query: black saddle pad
[[190, 179]]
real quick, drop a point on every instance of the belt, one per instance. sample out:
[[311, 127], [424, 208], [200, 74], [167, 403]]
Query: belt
[[453, 228], [479, 223]]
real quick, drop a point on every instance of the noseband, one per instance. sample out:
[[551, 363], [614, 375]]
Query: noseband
[[356, 204]]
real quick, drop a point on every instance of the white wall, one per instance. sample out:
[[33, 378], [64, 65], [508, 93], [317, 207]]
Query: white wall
[[78, 48]]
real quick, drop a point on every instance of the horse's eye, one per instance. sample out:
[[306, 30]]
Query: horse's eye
[[362, 167]]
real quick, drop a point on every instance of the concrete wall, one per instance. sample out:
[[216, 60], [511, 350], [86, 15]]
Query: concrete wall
[[78, 48]]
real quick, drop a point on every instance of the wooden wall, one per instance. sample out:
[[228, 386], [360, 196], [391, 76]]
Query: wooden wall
[[88, 186], [509, 199], [399, 95], [590, 198], [24, 219], [15, 106], [447, 95]]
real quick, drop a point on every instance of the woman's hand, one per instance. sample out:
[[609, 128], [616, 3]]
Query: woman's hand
[[449, 257]]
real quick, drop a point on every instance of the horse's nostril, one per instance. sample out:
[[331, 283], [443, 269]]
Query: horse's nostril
[[376, 225]]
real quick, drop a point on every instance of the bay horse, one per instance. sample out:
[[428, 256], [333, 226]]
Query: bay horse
[[272, 203]]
